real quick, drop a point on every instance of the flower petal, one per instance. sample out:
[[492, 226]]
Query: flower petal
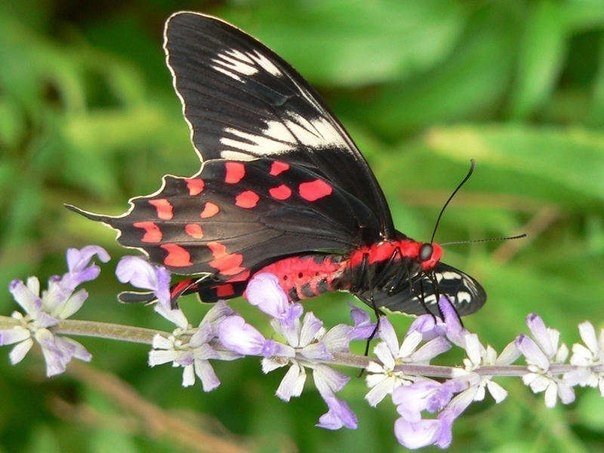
[[20, 350], [338, 415], [206, 374], [414, 435], [14, 335], [29, 301], [264, 291], [235, 334], [292, 383]]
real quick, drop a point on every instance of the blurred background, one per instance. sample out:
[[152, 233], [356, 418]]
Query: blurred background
[[88, 116]]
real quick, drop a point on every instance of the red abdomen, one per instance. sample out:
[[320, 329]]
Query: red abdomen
[[303, 277]]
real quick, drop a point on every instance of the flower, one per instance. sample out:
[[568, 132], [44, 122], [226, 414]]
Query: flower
[[46, 310], [540, 353], [79, 264], [264, 292], [242, 338], [307, 345], [192, 349], [448, 325], [449, 399], [142, 274], [426, 395], [587, 358], [479, 356], [383, 378]]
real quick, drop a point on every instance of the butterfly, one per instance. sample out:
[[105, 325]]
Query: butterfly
[[282, 189]]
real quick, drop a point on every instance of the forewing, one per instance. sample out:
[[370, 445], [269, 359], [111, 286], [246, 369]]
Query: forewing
[[465, 293], [235, 216], [242, 101]]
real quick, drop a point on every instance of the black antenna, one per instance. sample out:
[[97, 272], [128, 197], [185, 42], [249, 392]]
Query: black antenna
[[473, 241], [463, 181]]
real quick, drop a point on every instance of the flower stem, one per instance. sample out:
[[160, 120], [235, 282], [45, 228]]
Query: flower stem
[[95, 329]]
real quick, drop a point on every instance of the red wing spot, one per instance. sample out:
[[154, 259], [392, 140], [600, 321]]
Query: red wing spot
[[195, 186], [152, 231], [314, 190], [241, 277], [281, 192], [194, 230], [209, 210], [226, 290], [177, 256], [278, 167], [164, 209], [235, 171], [247, 199], [225, 263], [178, 289]]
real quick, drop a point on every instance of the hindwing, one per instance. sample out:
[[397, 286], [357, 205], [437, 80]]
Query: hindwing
[[423, 291], [234, 217]]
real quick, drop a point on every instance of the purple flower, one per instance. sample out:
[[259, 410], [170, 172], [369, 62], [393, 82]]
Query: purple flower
[[301, 352], [540, 352], [192, 349], [384, 378], [264, 292], [448, 399], [450, 324], [418, 434], [329, 381], [307, 345], [44, 311], [363, 327], [80, 269], [142, 274], [339, 415], [238, 336], [411, 430]]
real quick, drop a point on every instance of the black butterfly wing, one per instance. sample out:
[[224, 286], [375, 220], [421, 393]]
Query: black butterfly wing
[[465, 293], [242, 101], [234, 217]]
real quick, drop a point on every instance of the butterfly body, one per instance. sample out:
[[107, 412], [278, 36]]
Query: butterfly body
[[366, 268], [282, 189]]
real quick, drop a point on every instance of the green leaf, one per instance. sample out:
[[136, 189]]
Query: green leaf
[[559, 159], [541, 55], [356, 43], [469, 81]]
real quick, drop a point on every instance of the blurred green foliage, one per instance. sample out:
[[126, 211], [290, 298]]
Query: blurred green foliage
[[88, 116]]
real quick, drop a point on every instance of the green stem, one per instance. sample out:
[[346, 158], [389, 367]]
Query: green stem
[[145, 336], [95, 329]]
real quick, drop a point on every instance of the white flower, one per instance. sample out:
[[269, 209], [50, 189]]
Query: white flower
[[193, 349], [589, 359], [383, 378], [540, 353], [479, 356]]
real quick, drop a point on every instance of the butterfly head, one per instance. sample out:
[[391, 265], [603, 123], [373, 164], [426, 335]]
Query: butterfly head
[[429, 255]]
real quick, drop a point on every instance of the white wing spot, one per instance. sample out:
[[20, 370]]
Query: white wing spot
[[266, 64], [430, 299], [280, 137], [234, 63], [463, 297], [447, 275]]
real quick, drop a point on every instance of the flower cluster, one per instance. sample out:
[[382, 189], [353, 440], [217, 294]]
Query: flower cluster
[[46, 310], [306, 345], [428, 398], [447, 399]]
